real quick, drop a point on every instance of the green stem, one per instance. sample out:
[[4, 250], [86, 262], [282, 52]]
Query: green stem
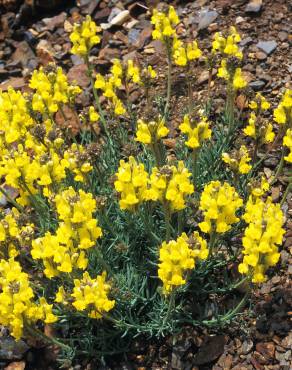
[[169, 69], [50, 340], [213, 238], [289, 187], [167, 217], [12, 201], [280, 166]]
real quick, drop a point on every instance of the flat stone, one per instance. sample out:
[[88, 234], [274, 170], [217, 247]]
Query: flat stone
[[120, 18], [133, 36], [257, 85], [11, 349], [207, 17], [267, 46], [254, 6]]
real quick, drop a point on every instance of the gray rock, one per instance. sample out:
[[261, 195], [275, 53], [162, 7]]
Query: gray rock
[[257, 85], [254, 6], [267, 46], [133, 36], [207, 17], [12, 350]]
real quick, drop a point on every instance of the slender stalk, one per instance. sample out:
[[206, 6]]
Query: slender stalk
[[169, 69], [289, 187], [12, 201], [212, 242], [280, 166], [50, 340], [167, 217], [171, 303]]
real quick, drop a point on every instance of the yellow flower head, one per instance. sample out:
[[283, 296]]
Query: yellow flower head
[[177, 257], [196, 132], [219, 203], [228, 46], [171, 185], [183, 54], [84, 37], [131, 184], [164, 24], [283, 113], [238, 161], [151, 132], [261, 237], [92, 295], [287, 141]]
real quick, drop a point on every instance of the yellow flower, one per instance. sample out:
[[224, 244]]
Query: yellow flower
[[131, 183], [238, 160], [219, 203], [261, 237], [93, 115], [84, 37], [170, 185], [195, 132], [151, 132], [177, 257], [283, 113], [227, 46], [133, 72], [92, 295], [164, 24], [287, 141], [183, 54]]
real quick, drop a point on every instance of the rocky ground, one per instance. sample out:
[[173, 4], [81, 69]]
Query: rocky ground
[[36, 33]]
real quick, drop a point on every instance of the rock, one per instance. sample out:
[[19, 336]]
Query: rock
[[12, 350], [55, 22], [133, 36], [109, 53], [120, 18], [257, 85], [254, 6], [266, 349], [79, 75], [76, 60], [102, 15], [144, 37], [210, 351], [246, 347], [206, 18], [246, 41], [239, 20], [15, 82], [68, 118], [267, 46], [260, 55], [283, 36], [16, 366], [45, 52], [22, 54]]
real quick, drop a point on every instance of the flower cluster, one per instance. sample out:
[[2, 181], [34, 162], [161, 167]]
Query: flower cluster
[[14, 115], [131, 183], [184, 54], [219, 203], [170, 185], [261, 238], [287, 141], [196, 132], [17, 307], [164, 25], [238, 160], [84, 37], [77, 231], [259, 187], [51, 89], [177, 257], [258, 128], [283, 113], [232, 75], [88, 294], [228, 46], [151, 132], [14, 236], [109, 86]]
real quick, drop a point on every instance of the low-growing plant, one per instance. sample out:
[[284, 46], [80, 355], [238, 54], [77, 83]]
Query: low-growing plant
[[119, 230]]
